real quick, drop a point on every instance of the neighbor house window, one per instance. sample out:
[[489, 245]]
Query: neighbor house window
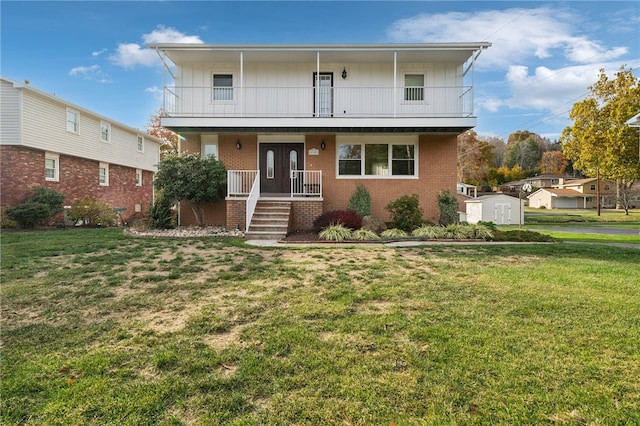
[[414, 87], [73, 121], [378, 159], [593, 187], [51, 167], [223, 87], [103, 173], [105, 132], [138, 177], [140, 144]]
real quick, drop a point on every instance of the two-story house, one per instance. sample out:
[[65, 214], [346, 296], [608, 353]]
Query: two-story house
[[47, 141], [303, 124], [573, 194]]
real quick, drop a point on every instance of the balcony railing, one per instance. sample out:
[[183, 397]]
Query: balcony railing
[[304, 183], [305, 102]]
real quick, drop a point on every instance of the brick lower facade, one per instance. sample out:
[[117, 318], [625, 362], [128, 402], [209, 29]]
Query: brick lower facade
[[436, 164], [22, 170]]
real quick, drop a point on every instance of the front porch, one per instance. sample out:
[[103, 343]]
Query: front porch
[[303, 201]]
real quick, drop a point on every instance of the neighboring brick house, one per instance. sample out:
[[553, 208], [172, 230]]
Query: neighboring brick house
[[304, 124], [47, 141]]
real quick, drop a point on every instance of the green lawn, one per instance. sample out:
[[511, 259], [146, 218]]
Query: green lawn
[[99, 328]]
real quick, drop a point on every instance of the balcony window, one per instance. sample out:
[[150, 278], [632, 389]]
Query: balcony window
[[223, 87], [379, 160], [414, 87]]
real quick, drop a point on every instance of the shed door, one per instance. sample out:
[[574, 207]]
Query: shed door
[[502, 214]]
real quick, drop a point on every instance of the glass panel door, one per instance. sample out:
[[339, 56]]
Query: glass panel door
[[323, 94]]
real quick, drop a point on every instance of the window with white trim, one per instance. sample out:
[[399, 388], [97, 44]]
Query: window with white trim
[[209, 149], [51, 167], [140, 143], [103, 173], [73, 121], [105, 131], [222, 87], [138, 177], [377, 159], [414, 87]]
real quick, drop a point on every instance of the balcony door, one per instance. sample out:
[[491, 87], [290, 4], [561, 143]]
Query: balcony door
[[323, 94], [277, 161]]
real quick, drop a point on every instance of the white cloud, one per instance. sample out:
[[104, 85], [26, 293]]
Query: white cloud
[[516, 34], [155, 91], [98, 53], [94, 73], [130, 55]]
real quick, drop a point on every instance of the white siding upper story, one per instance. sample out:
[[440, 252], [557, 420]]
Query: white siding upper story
[[34, 119], [337, 85]]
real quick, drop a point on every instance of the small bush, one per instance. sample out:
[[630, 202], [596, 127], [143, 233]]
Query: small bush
[[489, 225], [365, 235], [430, 232], [336, 232], [374, 224], [162, 216], [481, 232], [394, 233], [349, 219], [50, 197], [406, 213], [456, 232], [448, 206], [6, 222], [360, 201], [29, 215], [91, 212]]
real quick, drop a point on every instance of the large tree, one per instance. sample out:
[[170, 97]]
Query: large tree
[[168, 137], [475, 157], [599, 142], [553, 163], [188, 177]]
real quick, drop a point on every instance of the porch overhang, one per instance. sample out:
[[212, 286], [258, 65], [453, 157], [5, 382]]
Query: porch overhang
[[319, 125]]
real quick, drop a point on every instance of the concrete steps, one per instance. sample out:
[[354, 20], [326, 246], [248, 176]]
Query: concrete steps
[[270, 221]]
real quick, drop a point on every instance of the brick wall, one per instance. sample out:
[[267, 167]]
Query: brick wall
[[303, 213], [22, 169]]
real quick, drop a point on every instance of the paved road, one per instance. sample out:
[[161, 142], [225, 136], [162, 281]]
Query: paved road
[[591, 230]]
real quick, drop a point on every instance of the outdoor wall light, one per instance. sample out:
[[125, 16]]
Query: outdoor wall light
[[238, 144], [323, 145], [344, 72]]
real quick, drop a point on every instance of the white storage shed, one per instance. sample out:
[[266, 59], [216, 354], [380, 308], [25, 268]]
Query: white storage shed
[[497, 208]]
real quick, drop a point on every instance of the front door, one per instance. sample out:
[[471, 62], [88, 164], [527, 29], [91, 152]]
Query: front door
[[277, 161], [323, 95]]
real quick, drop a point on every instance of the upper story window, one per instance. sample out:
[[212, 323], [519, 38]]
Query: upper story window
[[73, 121], [103, 173], [51, 167], [105, 131], [222, 87], [592, 187], [140, 146], [376, 159], [414, 87]]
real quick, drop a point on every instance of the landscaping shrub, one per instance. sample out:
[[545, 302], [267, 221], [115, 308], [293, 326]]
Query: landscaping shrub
[[29, 215], [430, 232], [365, 235], [162, 216], [374, 224], [406, 213], [347, 218], [360, 201], [521, 236], [394, 233], [37, 209], [337, 233], [448, 206], [6, 222], [91, 212]]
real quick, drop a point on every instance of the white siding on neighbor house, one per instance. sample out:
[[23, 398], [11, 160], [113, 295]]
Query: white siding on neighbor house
[[9, 114], [287, 88], [44, 127]]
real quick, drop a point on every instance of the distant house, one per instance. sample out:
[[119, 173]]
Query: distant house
[[573, 194], [500, 209], [299, 126], [47, 141]]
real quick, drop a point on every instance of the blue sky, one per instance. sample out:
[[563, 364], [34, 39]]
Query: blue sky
[[544, 54]]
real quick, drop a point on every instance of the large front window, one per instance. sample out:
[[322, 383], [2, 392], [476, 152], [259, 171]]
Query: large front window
[[223, 87], [376, 159]]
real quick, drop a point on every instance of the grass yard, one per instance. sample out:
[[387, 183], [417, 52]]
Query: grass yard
[[99, 328]]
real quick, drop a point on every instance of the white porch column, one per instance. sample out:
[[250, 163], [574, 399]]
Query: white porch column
[[241, 83], [395, 82]]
